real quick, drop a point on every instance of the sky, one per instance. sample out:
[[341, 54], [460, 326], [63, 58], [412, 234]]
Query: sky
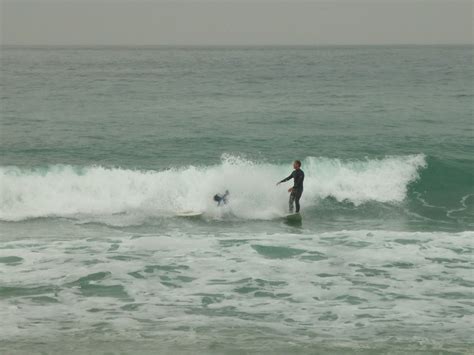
[[235, 22]]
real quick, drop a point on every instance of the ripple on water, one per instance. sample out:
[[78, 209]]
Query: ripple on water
[[400, 265], [264, 289], [44, 299], [372, 272], [345, 240], [88, 286], [169, 275], [314, 256], [453, 295], [370, 284], [439, 260], [210, 298], [11, 260], [233, 242], [351, 299], [407, 241], [328, 316], [231, 311], [167, 268], [14, 291], [275, 252]]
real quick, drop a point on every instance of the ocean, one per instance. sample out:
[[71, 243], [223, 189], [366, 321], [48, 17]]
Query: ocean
[[101, 148]]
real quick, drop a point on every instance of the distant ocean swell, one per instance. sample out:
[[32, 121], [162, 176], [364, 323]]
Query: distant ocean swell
[[70, 191]]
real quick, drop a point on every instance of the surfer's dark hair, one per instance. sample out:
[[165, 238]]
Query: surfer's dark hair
[[298, 162]]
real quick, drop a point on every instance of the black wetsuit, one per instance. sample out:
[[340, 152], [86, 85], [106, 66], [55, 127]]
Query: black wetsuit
[[298, 177], [221, 198]]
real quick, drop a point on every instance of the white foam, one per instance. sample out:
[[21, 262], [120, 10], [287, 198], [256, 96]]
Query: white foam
[[70, 191], [313, 287]]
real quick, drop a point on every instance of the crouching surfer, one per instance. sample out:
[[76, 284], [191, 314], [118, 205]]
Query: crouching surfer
[[222, 199], [297, 190]]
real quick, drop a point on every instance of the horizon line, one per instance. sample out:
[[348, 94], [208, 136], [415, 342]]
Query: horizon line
[[5, 45]]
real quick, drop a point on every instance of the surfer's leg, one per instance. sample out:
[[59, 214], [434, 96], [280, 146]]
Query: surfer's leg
[[297, 200], [290, 202]]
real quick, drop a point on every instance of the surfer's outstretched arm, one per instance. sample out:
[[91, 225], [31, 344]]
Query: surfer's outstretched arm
[[287, 178]]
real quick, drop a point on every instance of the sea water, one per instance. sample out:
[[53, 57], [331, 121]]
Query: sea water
[[101, 148]]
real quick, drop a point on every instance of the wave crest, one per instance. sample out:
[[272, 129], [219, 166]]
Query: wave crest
[[66, 191]]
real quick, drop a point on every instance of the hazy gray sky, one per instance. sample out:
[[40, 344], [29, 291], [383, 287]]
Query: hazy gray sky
[[235, 22]]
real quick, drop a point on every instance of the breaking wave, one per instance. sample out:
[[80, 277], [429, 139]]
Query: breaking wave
[[68, 191]]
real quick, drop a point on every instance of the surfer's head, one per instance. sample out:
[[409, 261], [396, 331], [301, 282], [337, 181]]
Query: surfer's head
[[297, 164]]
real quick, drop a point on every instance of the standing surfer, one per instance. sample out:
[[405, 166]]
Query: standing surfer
[[297, 190]]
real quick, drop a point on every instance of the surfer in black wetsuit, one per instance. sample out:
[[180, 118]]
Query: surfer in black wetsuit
[[221, 199], [297, 190]]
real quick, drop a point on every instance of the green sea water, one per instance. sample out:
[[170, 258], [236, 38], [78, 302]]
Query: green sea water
[[102, 148]]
